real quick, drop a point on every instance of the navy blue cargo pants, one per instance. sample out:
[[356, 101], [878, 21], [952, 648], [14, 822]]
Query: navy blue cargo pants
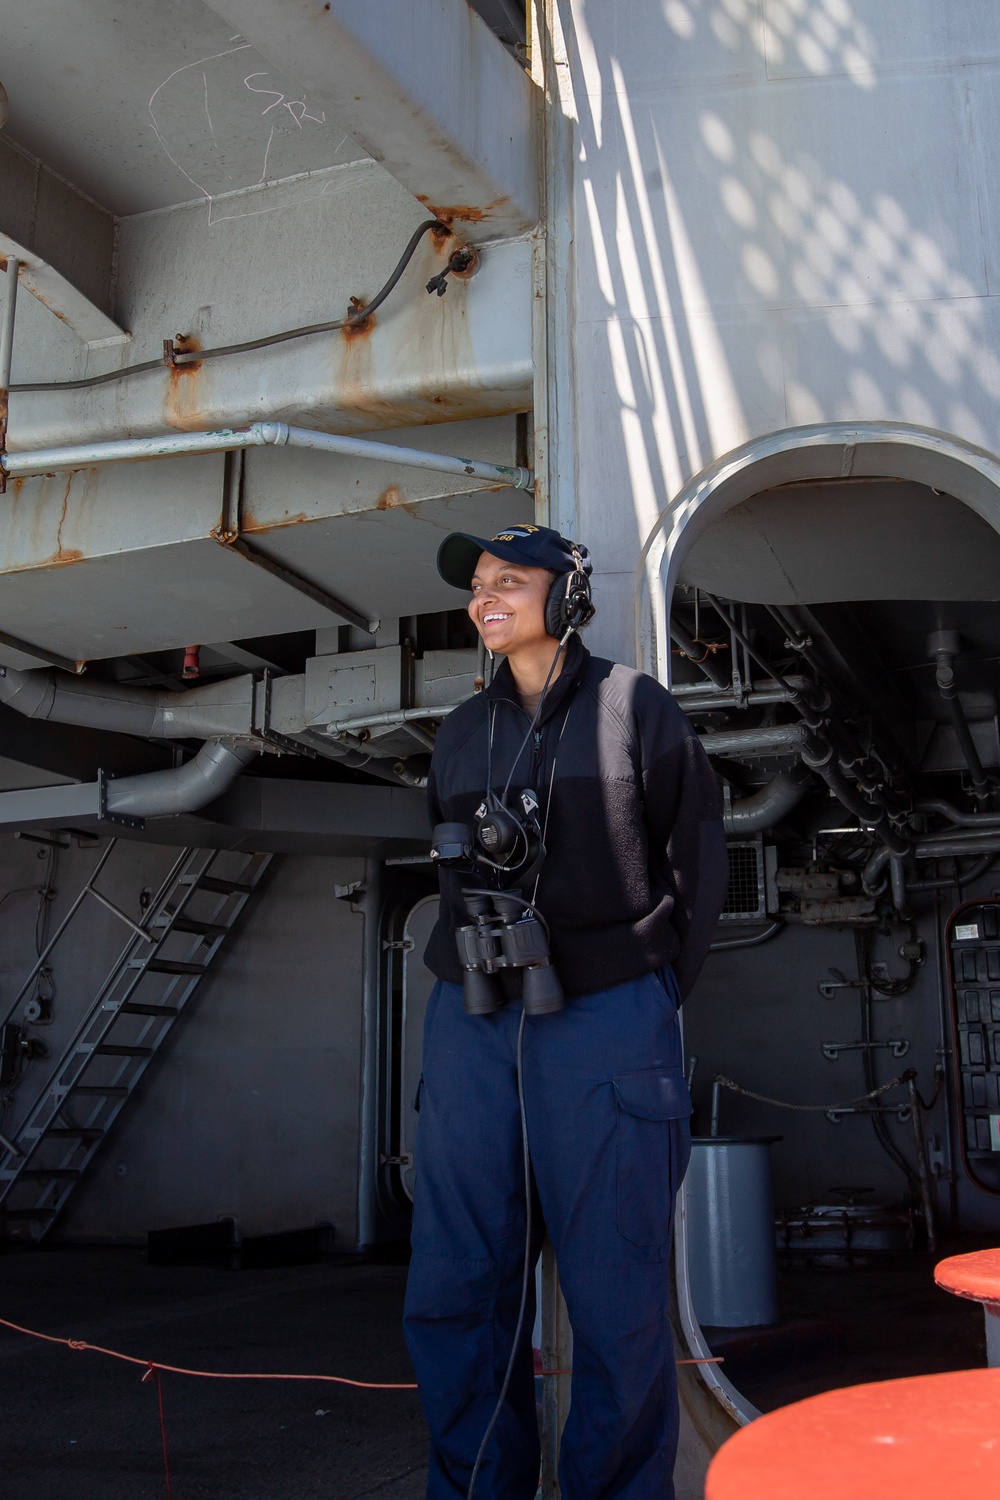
[[609, 1135]]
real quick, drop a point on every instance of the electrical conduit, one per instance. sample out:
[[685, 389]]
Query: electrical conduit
[[259, 435]]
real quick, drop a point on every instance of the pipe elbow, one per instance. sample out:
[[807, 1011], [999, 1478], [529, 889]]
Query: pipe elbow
[[184, 789], [872, 877], [768, 806]]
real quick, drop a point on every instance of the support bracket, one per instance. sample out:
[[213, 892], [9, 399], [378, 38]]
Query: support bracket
[[229, 534], [832, 1050], [121, 820], [901, 1111]]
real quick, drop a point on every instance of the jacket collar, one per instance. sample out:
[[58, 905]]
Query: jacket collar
[[576, 655]]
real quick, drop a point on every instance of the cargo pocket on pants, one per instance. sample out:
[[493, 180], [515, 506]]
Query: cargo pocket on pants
[[654, 1143]]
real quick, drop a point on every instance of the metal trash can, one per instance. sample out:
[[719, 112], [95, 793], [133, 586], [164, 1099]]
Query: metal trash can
[[732, 1261]]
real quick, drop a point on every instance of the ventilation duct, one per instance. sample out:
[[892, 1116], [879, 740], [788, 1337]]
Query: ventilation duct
[[214, 709], [184, 789]]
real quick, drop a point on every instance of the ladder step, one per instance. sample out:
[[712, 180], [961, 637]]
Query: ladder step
[[148, 1010], [213, 883], [167, 966], [106, 1091], [42, 1174], [191, 924], [86, 1133], [108, 1049]]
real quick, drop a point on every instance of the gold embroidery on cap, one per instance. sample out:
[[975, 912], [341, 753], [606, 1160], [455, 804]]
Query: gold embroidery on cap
[[513, 536]]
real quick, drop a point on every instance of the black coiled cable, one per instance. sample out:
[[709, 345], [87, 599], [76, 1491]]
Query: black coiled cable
[[180, 358]]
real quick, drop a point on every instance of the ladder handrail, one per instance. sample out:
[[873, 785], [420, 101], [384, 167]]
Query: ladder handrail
[[74, 908], [80, 1047], [79, 1031], [85, 890], [153, 910]]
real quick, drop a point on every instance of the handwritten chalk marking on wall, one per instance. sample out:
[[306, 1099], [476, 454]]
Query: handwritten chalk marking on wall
[[205, 117]]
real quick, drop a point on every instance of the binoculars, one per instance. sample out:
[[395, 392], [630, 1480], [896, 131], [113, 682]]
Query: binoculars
[[503, 935]]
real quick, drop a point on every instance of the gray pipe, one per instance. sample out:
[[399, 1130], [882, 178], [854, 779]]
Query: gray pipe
[[768, 806], [941, 846], [764, 690], [960, 878], [945, 645], [777, 739], [705, 702], [897, 876], [704, 662], [955, 845], [960, 819], [8, 307], [260, 434], [183, 789], [216, 708], [751, 942], [871, 875], [819, 756]]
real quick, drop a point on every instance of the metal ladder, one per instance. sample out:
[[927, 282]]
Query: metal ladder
[[129, 1019]]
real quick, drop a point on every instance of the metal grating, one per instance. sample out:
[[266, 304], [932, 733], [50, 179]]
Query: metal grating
[[745, 898], [974, 947]]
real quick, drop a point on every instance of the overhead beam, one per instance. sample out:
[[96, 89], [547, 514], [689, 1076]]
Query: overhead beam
[[257, 812], [65, 243], [425, 88]]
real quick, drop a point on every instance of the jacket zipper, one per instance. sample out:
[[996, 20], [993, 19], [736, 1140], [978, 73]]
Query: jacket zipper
[[536, 747]]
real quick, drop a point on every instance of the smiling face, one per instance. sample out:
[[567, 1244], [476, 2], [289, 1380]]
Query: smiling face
[[508, 605]]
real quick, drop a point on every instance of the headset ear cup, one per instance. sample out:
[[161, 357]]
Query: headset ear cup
[[579, 605], [555, 608]]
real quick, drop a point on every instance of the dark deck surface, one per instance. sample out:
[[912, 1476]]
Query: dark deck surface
[[847, 1325], [79, 1426]]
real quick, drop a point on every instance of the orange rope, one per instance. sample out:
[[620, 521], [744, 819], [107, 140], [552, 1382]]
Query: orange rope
[[150, 1365]]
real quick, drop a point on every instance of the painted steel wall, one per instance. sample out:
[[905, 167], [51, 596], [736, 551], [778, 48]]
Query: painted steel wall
[[253, 1109], [783, 212]]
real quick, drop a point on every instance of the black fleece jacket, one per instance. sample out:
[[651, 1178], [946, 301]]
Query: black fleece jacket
[[636, 868]]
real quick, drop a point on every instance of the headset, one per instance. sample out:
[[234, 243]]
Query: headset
[[570, 606]]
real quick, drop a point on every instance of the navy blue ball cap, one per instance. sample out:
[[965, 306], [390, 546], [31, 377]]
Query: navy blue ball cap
[[531, 546]]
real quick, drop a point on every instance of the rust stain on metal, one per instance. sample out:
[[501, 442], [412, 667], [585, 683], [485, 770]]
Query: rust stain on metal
[[391, 498], [182, 408], [63, 555], [364, 326], [422, 368], [464, 213], [187, 343], [39, 296], [250, 522], [471, 266]]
